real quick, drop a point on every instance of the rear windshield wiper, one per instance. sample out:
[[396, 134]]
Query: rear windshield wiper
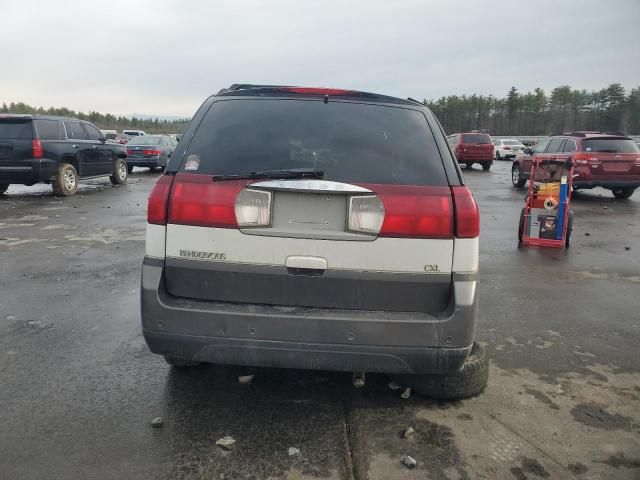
[[283, 173]]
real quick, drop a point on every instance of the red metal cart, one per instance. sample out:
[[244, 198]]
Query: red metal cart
[[545, 220]]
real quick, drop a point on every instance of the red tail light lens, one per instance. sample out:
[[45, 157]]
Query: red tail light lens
[[507, 148], [129, 151], [151, 152], [415, 212], [37, 148], [198, 200], [157, 207], [466, 212]]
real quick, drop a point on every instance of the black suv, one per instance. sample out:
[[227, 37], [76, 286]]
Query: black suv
[[56, 150]]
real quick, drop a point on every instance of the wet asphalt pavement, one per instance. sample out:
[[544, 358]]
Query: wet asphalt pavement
[[78, 387]]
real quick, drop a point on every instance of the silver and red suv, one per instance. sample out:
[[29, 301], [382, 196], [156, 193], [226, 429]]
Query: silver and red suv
[[600, 160], [318, 229]]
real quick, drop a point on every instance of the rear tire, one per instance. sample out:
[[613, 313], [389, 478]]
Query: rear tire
[[3, 187], [516, 177], [180, 362], [66, 181], [486, 166], [469, 165], [567, 239], [129, 168], [521, 226], [470, 381], [120, 172], [498, 157], [623, 192]]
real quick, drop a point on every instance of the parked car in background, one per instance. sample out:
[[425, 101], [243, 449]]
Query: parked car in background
[[281, 235], [56, 150], [134, 133], [506, 148], [472, 147], [600, 160], [118, 138], [151, 151]]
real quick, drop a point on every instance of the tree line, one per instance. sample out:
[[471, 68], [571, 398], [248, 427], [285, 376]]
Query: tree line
[[103, 121], [610, 109]]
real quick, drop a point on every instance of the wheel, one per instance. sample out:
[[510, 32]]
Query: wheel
[[120, 172], [3, 187], [486, 166], [623, 192], [521, 225], [180, 362], [498, 157], [567, 238], [129, 168], [66, 181], [469, 165], [516, 177], [470, 381]]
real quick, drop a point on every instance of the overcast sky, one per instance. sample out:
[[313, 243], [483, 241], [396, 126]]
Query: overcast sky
[[165, 57]]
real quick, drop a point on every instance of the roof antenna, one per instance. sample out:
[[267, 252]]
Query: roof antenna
[[326, 99]]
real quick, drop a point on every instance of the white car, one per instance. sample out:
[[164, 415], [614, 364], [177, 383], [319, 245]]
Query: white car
[[134, 133], [506, 148]]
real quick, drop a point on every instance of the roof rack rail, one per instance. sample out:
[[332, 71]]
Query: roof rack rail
[[247, 86]]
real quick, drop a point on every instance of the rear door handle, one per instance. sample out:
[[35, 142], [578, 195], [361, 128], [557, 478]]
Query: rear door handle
[[94, 146], [74, 146]]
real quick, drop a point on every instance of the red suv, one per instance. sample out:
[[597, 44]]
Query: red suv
[[472, 147], [601, 160]]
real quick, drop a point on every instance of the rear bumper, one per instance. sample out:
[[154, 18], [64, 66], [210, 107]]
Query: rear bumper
[[300, 337], [144, 162], [606, 183], [464, 159], [28, 171]]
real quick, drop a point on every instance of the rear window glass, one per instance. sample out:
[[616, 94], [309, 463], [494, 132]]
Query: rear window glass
[[75, 131], [48, 130], [511, 142], [145, 140], [16, 129], [477, 138], [610, 145], [350, 142]]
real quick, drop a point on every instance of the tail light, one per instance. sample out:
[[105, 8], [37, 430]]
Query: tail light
[[507, 148], [582, 158], [151, 152], [253, 208], [129, 152], [157, 207], [467, 216], [36, 146], [416, 212], [198, 200], [366, 214]]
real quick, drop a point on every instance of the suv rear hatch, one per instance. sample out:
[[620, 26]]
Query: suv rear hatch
[[476, 146], [301, 203], [16, 144], [612, 158]]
